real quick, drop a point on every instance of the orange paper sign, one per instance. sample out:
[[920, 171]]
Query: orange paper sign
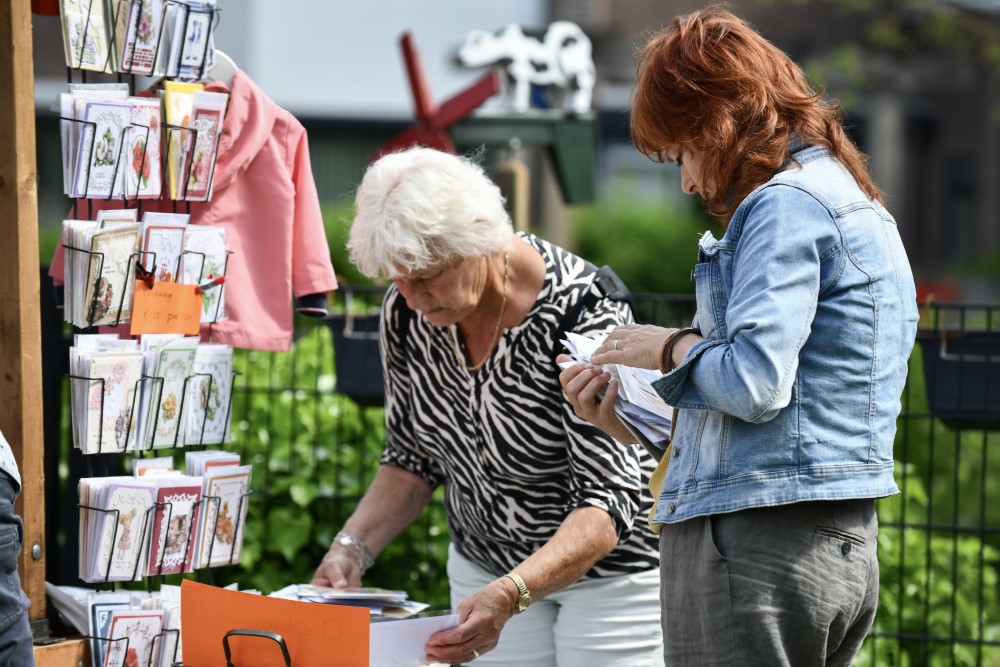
[[317, 635], [166, 308]]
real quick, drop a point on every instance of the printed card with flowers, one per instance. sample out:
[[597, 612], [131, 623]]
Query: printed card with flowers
[[208, 410], [110, 379], [141, 628], [206, 256], [142, 150], [99, 173], [138, 35], [173, 363], [226, 492], [207, 115]]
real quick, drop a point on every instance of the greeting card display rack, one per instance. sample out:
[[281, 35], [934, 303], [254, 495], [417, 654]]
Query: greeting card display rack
[[153, 379]]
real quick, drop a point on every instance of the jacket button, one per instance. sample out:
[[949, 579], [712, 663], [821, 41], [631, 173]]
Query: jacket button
[[677, 452], [845, 548], [670, 508]]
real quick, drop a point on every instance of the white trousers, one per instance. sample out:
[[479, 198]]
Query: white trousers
[[610, 622]]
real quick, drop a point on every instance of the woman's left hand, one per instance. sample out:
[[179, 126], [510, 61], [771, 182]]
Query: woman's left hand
[[480, 620], [636, 345]]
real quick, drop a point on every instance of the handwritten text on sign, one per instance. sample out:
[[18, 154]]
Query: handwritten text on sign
[[166, 308]]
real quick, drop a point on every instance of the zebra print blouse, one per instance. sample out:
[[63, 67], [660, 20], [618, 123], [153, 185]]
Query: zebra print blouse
[[504, 441]]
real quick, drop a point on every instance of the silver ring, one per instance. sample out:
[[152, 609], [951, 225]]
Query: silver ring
[[614, 344], [475, 653]]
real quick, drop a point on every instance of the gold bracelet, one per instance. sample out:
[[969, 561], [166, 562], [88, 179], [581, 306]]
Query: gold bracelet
[[667, 354]]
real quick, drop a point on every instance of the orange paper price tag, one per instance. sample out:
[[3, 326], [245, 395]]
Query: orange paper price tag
[[166, 308]]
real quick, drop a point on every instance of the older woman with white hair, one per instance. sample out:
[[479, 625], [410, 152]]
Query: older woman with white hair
[[543, 509]]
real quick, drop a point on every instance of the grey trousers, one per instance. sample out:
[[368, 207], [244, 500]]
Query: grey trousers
[[793, 585]]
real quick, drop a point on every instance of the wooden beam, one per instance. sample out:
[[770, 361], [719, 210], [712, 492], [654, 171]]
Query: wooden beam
[[69, 653], [20, 324]]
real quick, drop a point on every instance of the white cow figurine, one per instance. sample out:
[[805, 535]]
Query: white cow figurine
[[562, 59]]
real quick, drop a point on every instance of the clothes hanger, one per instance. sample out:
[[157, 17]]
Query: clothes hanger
[[223, 70]]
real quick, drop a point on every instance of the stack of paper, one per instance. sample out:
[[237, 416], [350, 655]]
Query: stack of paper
[[225, 500], [150, 37], [110, 142], [98, 271], [114, 519], [379, 601], [105, 384], [168, 360], [639, 407]]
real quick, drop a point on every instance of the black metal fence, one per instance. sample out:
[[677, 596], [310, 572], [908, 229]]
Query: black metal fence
[[311, 423]]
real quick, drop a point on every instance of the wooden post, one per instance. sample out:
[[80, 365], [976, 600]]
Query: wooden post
[[20, 324]]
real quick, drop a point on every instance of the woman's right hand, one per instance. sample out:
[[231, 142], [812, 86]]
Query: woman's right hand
[[582, 384], [338, 569]]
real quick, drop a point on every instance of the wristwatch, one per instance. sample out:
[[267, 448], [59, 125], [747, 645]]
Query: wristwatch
[[524, 597], [357, 548]]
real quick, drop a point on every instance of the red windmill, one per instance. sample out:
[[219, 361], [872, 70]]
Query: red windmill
[[433, 121]]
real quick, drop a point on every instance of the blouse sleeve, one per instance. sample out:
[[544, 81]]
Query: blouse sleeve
[[604, 473], [401, 448]]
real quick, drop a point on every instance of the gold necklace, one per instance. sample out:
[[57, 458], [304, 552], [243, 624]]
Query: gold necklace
[[496, 330]]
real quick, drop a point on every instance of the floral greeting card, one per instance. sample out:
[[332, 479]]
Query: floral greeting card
[[141, 628], [109, 380], [173, 364], [205, 250], [142, 150], [207, 114], [98, 172], [138, 34], [208, 411]]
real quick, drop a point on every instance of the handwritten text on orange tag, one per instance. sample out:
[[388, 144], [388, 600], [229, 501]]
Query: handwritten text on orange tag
[[166, 308]]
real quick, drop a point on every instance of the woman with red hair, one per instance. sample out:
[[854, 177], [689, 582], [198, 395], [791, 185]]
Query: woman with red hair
[[788, 382]]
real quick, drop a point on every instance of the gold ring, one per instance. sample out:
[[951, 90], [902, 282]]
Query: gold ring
[[475, 653]]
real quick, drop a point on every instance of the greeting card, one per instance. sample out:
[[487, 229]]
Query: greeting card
[[142, 150], [141, 628], [178, 102], [98, 172], [174, 525], [107, 382], [205, 248], [210, 395], [108, 295], [140, 24], [101, 605], [163, 245], [224, 516], [173, 363], [120, 530], [207, 113], [85, 34]]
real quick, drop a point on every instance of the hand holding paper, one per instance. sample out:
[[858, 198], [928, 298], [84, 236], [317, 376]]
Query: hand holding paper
[[626, 391]]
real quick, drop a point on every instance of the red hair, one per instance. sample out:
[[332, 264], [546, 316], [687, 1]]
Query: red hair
[[711, 80]]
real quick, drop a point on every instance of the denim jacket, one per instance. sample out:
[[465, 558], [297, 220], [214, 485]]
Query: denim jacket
[[808, 310]]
